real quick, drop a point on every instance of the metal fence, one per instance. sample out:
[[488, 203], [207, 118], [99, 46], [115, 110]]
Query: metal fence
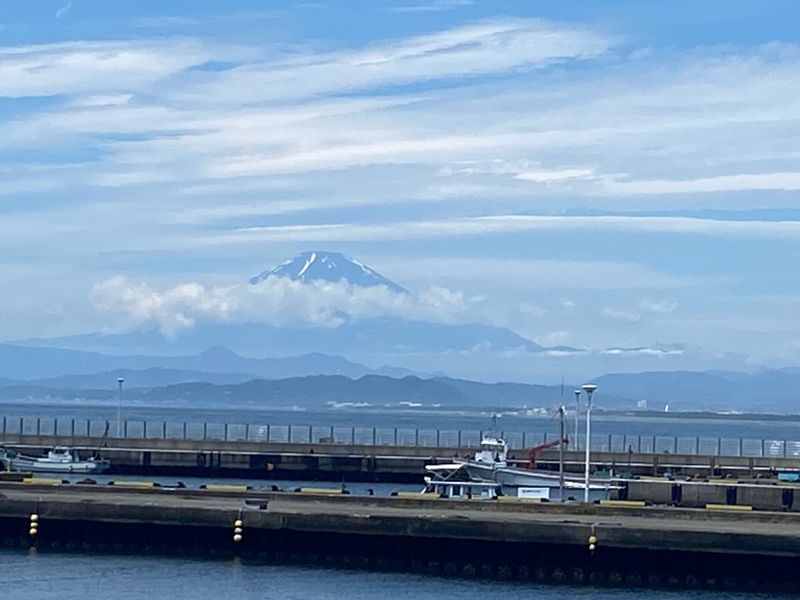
[[385, 436]]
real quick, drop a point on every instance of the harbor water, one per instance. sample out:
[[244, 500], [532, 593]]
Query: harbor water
[[31, 575]]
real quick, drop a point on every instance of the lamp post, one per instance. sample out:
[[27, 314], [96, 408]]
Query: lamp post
[[120, 381], [577, 419], [589, 388]]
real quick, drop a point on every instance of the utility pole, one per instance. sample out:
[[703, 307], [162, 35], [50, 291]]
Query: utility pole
[[561, 411], [577, 419], [120, 381], [589, 388]]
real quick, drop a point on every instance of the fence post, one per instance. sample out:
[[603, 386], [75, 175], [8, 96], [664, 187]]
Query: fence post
[[675, 445], [459, 438], [268, 432], [88, 428], [719, 446], [290, 434], [416, 436], [71, 429], [741, 447], [395, 436], [654, 446], [524, 439], [55, 426], [763, 453], [4, 425], [164, 429], [226, 432], [310, 434], [784, 448], [330, 437], [38, 426], [609, 442], [21, 426], [437, 438], [205, 430], [697, 445], [352, 436], [185, 427], [247, 432], [144, 429], [374, 436], [125, 428]]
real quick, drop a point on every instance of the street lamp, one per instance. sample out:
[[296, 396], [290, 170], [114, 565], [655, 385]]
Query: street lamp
[[589, 388], [577, 418], [120, 381]]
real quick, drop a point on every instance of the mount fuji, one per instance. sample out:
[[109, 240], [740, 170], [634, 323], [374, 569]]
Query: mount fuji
[[407, 342], [328, 266]]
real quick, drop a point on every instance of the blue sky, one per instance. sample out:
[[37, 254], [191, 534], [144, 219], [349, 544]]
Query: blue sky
[[617, 176]]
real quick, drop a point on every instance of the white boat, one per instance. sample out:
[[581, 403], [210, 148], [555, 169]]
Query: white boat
[[490, 463], [58, 460]]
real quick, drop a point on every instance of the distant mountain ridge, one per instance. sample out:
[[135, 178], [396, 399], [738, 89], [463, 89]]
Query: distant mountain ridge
[[313, 392], [29, 363]]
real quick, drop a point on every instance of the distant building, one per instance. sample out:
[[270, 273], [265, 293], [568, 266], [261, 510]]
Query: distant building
[[641, 404]]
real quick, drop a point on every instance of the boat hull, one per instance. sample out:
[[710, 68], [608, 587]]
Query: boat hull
[[32, 465], [512, 478]]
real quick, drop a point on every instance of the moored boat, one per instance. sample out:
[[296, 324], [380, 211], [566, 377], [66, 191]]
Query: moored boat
[[58, 460], [490, 463]]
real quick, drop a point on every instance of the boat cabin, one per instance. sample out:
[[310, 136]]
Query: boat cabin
[[493, 451]]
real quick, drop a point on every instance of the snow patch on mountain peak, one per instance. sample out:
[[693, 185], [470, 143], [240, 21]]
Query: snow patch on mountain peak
[[328, 266]]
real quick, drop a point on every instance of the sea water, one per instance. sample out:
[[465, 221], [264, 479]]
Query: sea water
[[31, 575]]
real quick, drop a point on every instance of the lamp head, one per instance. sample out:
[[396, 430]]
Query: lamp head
[[120, 380], [589, 388]]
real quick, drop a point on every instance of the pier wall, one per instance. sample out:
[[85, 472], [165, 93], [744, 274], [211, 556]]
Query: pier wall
[[675, 547]]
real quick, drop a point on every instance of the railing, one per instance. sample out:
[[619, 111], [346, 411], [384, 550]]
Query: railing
[[385, 436]]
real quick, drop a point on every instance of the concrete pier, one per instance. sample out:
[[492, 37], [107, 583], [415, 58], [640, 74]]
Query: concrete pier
[[354, 462], [548, 542]]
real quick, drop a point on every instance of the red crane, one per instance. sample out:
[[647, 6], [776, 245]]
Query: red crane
[[545, 446]]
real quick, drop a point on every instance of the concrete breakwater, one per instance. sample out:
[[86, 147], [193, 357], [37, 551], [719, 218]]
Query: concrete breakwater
[[337, 461], [514, 540]]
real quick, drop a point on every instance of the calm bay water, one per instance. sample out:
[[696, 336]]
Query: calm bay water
[[787, 428], [56, 576]]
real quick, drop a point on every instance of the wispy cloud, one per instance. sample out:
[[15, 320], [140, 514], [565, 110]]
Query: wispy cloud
[[64, 10], [431, 6]]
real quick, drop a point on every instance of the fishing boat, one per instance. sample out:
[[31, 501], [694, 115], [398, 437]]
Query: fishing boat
[[58, 460], [490, 463]]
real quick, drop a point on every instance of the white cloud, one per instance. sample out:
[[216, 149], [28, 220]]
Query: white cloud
[[489, 46], [89, 67], [658, 306], [64, 10], [622, 315], [432, 6], [277, 301], [496, 224], [723, 183], [555, 175], [643, 351]]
